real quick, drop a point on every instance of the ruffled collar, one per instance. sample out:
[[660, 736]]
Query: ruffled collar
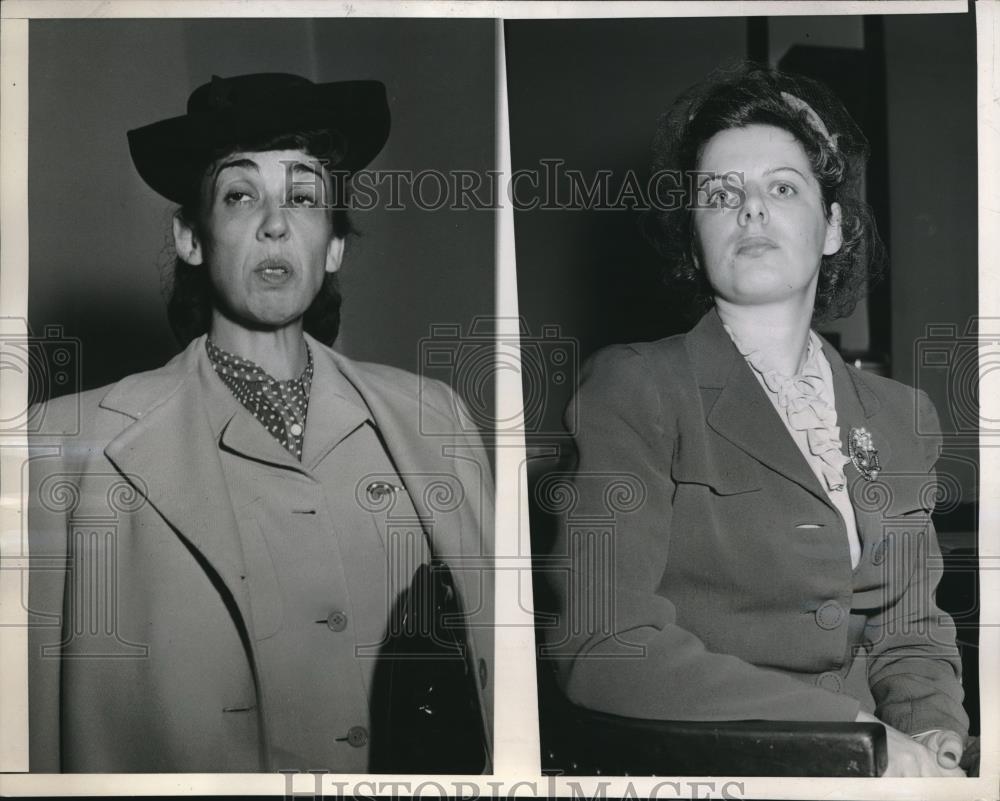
[[803, 402]]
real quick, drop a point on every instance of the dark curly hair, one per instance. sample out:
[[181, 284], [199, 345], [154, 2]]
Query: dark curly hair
[[754, 95], [191, 296]]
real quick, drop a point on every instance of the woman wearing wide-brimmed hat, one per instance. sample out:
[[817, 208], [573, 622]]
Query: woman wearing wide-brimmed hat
[[251, 530]]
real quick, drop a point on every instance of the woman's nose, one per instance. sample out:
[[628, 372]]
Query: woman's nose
[[754, 208], [274, 225]]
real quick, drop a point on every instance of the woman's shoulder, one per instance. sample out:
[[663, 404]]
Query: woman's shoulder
[[904, 412], [637, 357], [646, 383], [892, 395]]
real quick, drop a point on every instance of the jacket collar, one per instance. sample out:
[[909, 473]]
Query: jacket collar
[[732, 397], [714, 355], [423, 461], [170, 452], [335, 410]]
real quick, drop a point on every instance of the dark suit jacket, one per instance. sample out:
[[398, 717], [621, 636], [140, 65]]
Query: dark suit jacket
[[139, 652], [709, 574]]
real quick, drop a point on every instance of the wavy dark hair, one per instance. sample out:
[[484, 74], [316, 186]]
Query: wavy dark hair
[[754, 95], [190, 294]]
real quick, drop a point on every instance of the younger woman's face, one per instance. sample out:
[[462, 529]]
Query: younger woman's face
[[763, 236]]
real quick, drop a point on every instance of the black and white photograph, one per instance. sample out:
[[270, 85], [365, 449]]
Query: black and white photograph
[[260, 530], [755, 523], [500, 399]]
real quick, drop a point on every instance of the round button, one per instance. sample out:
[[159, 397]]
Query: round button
[[878, 553], [295, 429], [357, 736], [830, 681], [337, 621], [829, 615]]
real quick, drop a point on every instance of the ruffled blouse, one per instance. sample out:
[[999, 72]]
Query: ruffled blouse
[[805, 402]]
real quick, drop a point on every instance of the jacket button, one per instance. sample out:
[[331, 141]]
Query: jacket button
[[829, 615], [357, 736], [337, 621], [830, 681], [482, 674]]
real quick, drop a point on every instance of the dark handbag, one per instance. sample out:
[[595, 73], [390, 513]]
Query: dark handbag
[[426, 714]]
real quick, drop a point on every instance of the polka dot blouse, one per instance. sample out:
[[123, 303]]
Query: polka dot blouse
[[279, 406]]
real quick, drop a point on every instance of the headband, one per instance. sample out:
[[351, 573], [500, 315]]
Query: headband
[[814, 120], [798, 104]]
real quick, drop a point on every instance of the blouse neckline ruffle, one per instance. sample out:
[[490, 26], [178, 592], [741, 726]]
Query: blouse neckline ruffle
[[803, 403]]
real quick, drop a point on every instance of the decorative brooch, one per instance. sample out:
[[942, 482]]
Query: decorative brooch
[[863, 453], [377, 490]]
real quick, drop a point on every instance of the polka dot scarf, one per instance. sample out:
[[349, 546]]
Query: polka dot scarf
[[279, 406]]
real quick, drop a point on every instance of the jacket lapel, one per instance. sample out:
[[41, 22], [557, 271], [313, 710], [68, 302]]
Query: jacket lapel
[[335, 408], [170, 454], [733, 396], [855, 402], [857, 406], [420, 459]]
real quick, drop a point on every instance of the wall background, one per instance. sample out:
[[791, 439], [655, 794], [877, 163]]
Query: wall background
[[99, 236]]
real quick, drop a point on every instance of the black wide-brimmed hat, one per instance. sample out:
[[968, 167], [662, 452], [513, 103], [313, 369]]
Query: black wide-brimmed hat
[[237, 113]]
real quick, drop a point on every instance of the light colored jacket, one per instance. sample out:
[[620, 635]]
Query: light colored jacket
[[139, 654]]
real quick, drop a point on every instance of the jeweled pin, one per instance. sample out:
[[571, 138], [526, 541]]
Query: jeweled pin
[[378, 490], [863, 453]]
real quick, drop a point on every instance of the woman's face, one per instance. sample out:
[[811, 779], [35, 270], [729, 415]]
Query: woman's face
[[763, 236], [265, 235]]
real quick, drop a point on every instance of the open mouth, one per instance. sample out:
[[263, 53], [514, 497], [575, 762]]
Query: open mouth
[[274, 270]]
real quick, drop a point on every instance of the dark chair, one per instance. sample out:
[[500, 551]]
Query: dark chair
[[596, 744]]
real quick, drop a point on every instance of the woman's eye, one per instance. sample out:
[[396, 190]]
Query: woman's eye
[[784, 190], [720, 199], [303, 199], [236, 196]]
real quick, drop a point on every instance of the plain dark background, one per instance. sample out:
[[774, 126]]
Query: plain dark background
[[589, 92], [100, 238]]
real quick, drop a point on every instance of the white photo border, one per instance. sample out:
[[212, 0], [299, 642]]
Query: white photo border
[[517, 769]]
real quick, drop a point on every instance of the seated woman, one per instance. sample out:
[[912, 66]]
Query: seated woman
[[772, 555]]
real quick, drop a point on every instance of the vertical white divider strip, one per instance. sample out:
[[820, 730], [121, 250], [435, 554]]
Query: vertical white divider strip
[[13, 389], [988, 104], [516, 751]]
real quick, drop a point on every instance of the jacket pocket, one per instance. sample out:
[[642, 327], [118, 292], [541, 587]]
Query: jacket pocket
[[724, 469]]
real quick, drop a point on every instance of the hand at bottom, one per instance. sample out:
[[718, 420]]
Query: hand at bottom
[[910, 758], [946, 745]]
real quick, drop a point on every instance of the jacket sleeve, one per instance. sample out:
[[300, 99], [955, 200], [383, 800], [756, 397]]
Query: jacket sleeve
[[48, 496], [474, 572], [481, 482], [617, 644], [914, 666]]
